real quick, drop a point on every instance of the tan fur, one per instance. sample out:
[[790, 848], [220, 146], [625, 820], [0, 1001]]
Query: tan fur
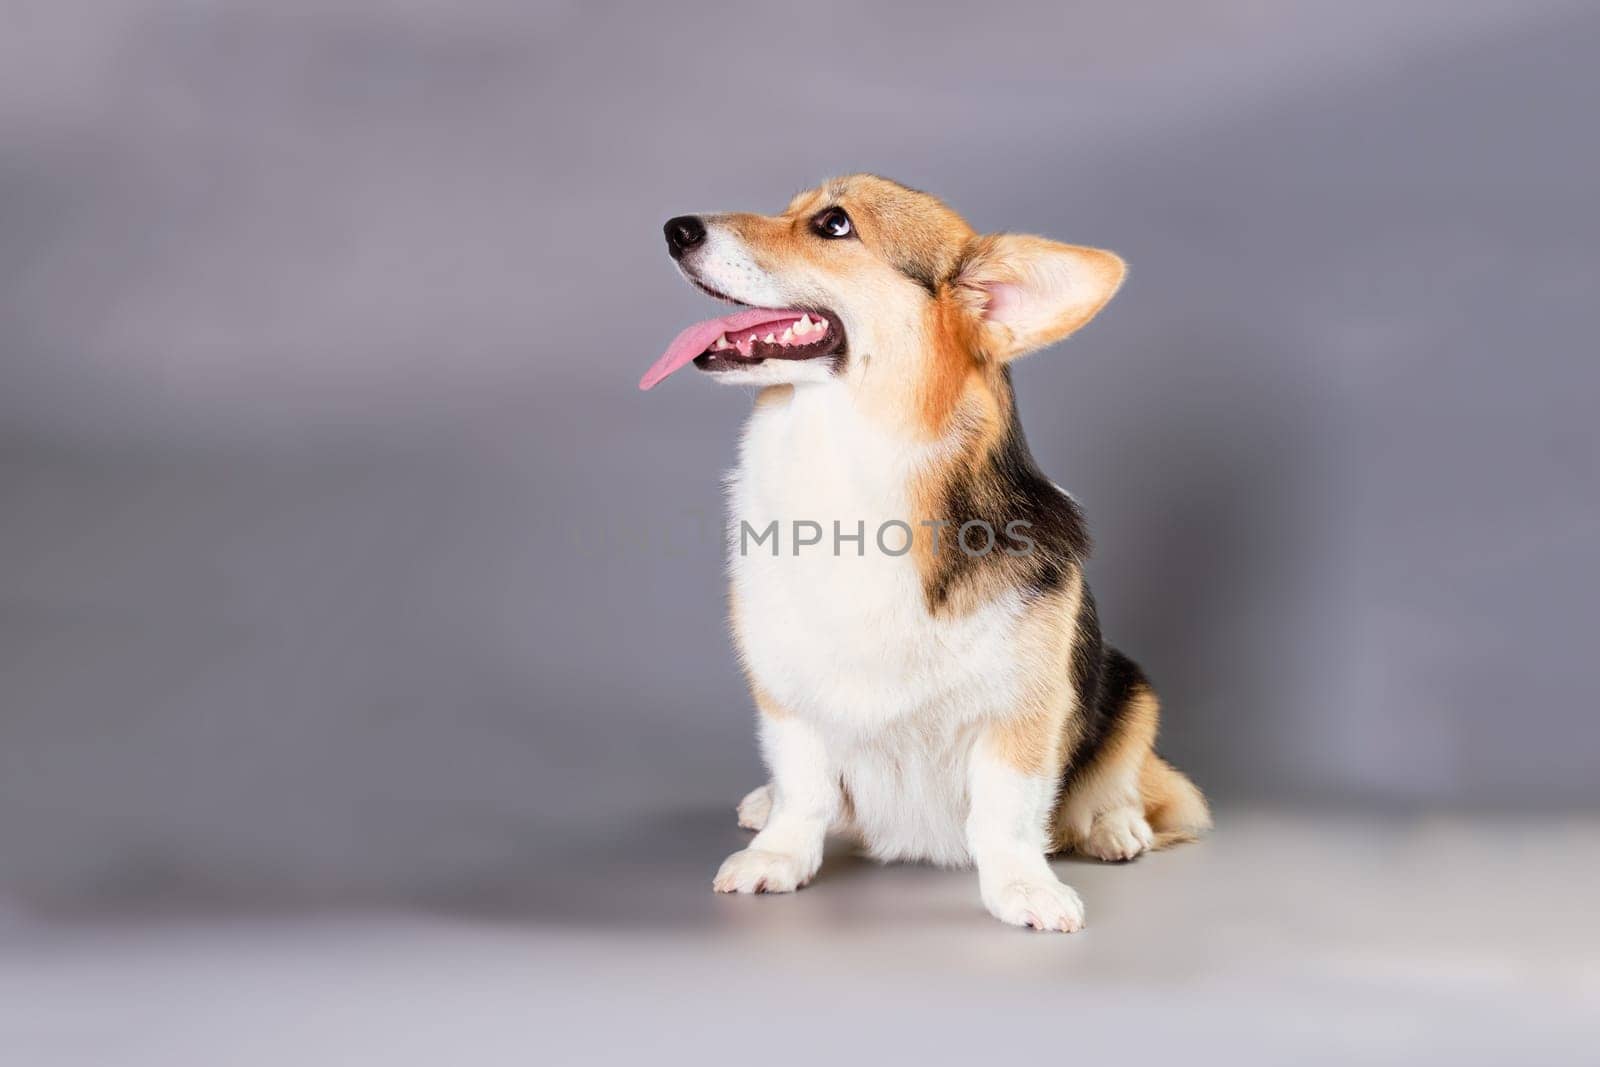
[[910, 229], [950, 371], [1030, 740], [1176, 808], [766, 704], [902, 227], [1037, 738], [774, 394]]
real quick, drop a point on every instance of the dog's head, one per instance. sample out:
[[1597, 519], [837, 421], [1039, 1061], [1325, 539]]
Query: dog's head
[[868, 285]]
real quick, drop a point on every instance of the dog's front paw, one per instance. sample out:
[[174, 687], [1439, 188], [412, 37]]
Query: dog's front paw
[[754, 870], [1042, 903]]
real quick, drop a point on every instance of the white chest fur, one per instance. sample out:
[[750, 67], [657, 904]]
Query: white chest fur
[[841, 635]]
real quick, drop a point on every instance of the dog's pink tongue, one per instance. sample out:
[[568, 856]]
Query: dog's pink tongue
[[697, 338]]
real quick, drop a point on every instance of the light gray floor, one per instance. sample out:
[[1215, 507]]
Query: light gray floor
[[1282, 938]]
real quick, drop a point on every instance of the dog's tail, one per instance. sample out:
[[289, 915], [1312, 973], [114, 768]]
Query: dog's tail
[[1174, 806]]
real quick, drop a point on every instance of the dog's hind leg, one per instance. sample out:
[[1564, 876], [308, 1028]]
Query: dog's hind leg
[[1124, 799]]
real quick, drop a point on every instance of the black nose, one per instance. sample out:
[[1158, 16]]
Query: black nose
[[683, 233]]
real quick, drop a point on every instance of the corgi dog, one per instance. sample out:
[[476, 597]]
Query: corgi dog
[[930, 680]]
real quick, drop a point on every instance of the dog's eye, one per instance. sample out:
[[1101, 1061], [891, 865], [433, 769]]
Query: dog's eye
[[832, 223]]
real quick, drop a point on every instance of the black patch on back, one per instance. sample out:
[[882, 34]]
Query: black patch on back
[[1105, 680], [1088, 658], [1006, 486]]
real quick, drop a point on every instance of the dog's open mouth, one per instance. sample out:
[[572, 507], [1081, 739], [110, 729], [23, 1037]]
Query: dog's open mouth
[[749, 338], [784, 337]]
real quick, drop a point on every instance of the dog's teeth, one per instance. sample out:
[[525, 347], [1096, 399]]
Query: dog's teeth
[[720, 343], [804, 325], [771, 340], [787, 338]]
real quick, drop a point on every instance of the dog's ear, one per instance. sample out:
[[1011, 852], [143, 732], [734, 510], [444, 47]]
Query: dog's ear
[[1028, 292]]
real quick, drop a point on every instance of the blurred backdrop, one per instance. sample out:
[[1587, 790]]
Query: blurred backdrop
[[340, 555]]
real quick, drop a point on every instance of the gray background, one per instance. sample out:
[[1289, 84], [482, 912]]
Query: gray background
[[340, 557]]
